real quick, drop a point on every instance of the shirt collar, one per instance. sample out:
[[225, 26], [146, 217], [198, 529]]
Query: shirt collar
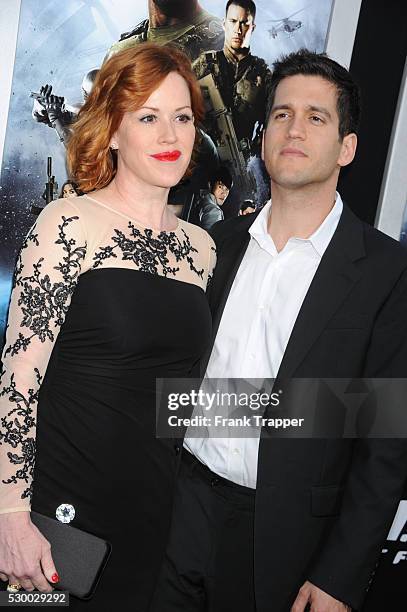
[[319, 239]]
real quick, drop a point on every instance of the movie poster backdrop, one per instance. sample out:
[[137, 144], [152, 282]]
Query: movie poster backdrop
[[62, 45]]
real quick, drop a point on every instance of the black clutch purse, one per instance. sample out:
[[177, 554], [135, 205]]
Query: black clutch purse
[[79, 557]]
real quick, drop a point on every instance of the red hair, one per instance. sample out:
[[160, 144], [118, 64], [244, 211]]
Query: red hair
[[124, 83]]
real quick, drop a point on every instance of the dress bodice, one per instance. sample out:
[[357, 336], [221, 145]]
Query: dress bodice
[[96, 298]]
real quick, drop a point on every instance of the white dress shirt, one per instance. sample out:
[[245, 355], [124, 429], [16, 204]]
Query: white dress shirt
[[259, 315]]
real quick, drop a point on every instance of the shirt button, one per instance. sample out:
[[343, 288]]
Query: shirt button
[[252, 356], [177, 449], [236, 451]]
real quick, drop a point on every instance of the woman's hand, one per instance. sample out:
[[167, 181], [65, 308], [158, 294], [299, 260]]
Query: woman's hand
[[25, 555]]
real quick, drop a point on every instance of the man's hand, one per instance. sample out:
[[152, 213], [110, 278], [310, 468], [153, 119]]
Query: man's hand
[[39, 111], [49, 108], [318, 600]]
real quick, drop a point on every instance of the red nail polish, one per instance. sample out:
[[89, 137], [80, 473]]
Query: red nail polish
[[55, 577]]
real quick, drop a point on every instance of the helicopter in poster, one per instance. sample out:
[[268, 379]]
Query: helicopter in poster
[[287, 25]]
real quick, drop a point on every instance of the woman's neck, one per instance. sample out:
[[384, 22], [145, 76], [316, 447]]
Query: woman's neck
[[145, 203]]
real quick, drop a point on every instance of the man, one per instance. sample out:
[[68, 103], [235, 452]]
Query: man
[[183, 22], [277, 524], [211, 201], [234, 83], [240, 77]]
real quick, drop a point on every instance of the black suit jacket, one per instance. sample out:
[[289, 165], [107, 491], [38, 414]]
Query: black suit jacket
[[324, 507]]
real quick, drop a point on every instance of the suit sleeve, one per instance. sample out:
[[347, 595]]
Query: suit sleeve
[[378, 472]]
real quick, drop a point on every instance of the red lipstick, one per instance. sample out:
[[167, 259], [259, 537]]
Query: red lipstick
[[167, 156]]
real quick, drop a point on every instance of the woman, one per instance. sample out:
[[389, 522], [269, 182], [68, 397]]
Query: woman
[[69, 189], [108, 296]]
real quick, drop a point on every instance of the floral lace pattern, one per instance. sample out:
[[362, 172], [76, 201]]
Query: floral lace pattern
[[149, 253], [41, 300], [15, 431], [44, 304]]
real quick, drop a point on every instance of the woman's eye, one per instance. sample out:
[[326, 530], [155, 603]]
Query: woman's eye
[[148, 118], [184, 118]]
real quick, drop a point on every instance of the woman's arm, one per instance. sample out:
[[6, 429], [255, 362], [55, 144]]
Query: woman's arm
[[45, 278]]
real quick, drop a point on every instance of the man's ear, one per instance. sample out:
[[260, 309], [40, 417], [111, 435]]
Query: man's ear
[[223, 24], [348, 149], [253, 26], [262, 143]]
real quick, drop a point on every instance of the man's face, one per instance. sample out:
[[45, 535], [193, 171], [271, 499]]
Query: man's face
[[301, 144], [238, 26], [221, 192]]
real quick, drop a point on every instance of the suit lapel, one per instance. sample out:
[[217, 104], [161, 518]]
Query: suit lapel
[[230, 252], [226, 270], [334, 279]]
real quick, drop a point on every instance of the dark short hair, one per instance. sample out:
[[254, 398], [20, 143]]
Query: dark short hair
[[223, 175], [245, 4], [309, 63]]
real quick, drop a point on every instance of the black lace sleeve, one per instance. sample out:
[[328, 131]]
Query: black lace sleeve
[[45, 277]]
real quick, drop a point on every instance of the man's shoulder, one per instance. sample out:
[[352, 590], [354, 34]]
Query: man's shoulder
[[140, 30], [129, 39], [362, 239], [379, 242], [207, 59], [207, 199], [212, 22], [204, 35], [260, 63]]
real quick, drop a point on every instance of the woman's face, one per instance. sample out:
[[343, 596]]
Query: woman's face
[[155, 142], [68, 191]]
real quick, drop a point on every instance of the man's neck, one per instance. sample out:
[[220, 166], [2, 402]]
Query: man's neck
[[235, 56], [298, 213], [187, 13]]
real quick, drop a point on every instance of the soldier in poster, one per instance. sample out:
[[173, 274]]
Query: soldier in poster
[[234, 83], [183, 22]]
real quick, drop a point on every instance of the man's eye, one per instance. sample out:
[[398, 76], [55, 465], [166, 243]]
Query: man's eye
[[148, 118], [184, 118], [280, 115], [316, 119]]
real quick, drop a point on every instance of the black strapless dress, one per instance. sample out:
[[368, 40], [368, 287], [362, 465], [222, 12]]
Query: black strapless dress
[[96, 444]]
